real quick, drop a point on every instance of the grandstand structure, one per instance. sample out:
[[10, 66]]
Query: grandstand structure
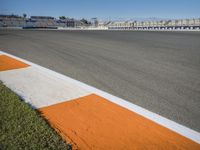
[[179, 24], [51, 22], [11, 21], [37, 22]]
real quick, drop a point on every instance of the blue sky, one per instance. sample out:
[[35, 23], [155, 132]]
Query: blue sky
[[104, 8]]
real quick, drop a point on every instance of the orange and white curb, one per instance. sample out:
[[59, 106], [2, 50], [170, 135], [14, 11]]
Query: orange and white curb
[[90, 118]]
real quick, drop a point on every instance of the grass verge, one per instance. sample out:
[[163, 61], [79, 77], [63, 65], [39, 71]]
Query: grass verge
[[21, 127]]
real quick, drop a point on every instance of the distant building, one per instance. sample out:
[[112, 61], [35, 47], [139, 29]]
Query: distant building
[[178, 24], [51, 22], [94, 22], [11, 21], [43, 17], [9, 16], [68, 22]]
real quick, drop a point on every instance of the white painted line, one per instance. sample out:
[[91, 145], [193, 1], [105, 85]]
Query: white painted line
[[180, 129], [1, 53], [39, 88]]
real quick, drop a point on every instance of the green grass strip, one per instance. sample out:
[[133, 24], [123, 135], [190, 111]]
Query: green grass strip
[[21, 127]]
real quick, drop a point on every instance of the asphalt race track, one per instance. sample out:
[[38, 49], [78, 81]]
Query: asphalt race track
[[159, 71]]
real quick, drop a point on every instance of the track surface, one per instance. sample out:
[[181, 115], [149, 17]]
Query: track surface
[[159, 71]]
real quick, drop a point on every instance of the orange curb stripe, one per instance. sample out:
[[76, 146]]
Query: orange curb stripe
[[92, 122], [8, 63]]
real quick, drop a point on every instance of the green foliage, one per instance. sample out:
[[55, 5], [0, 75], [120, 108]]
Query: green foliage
[[85, 21], [21, 127], [62, 17], [24, 15]]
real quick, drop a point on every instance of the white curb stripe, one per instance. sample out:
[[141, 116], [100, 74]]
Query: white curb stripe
[[182, 130], [39, 88]]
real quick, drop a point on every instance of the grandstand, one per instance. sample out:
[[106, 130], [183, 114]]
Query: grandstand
[[179, 24], [51, 22], [11, 21], [37, 22]]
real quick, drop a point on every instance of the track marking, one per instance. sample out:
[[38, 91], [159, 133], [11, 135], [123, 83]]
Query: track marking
[[8, 63], [93, 122], [39, 88], [180, 129]]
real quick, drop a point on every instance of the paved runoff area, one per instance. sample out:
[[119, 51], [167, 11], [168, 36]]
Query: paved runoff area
[[158, 71]]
